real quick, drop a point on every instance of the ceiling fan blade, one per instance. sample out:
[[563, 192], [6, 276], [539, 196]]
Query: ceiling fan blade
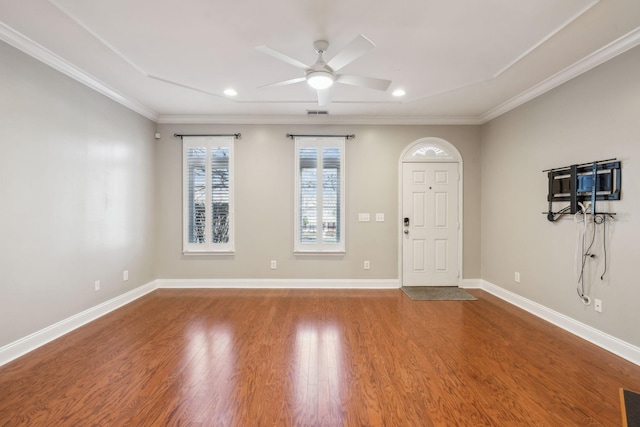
[[324, 97], [370, 82], [282, 57], [284, 83], [354, 50]]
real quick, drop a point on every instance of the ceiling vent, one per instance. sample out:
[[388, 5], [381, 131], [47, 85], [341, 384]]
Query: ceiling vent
[[317, 112]]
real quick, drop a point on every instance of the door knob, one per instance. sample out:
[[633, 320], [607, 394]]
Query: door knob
[[406, 231]]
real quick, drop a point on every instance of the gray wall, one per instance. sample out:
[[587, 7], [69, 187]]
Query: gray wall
[[264, 203], [76, 187], [592, 117], [79, 175]]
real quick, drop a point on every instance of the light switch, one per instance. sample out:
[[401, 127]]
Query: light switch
[[363, 217], [379, 217]]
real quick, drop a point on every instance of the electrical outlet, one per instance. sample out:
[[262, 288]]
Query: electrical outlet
[[125, 275], [274, 264], [598, 305], [96, 285], [367, 265], [516, 277]]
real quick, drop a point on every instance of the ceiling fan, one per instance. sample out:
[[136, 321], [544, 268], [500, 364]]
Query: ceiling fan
[[321, 75]]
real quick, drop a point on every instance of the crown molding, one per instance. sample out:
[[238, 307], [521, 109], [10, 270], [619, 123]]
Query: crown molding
[[42, 54], [610, 51], [555, 31], [30, 47], [316, 120], [600, 56]]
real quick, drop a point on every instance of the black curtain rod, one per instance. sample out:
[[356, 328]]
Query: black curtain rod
[[352, 136], [235, 135]]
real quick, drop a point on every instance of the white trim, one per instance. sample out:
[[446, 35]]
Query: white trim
[[432, 144], [37, 339], [600, 56], [548, 36], [95, 35], [336, 254], [320, 246], [29, 343], [316, 120], [603, 340], [208, 143], [209, 253], [457, 159], [471, 283], [42, 54], [279, 283], [28, 46]]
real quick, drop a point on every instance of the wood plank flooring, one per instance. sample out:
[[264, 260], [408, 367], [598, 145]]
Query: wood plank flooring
[[315, 358]]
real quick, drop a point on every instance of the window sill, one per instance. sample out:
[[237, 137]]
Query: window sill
[[208, 253], [320, 253]]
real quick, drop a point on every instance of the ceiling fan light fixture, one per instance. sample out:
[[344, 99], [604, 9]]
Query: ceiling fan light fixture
[[320, 79]]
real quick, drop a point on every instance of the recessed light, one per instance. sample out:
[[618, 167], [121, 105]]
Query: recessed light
[[398, 92], [230, 92]]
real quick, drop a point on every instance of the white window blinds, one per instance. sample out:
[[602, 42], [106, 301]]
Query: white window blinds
[[208, 194], [319, 198]]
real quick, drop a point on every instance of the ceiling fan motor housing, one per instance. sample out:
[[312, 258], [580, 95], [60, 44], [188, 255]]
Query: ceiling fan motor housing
[[321, 46], [320, 76]]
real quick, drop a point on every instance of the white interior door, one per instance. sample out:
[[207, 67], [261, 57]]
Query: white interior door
[[430, 224]]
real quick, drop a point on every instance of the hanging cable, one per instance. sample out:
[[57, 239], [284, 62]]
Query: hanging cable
[[580, 218], [586, 253], [604, 245], [554, 216]]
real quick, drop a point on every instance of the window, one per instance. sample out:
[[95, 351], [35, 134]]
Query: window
[[207, 194], [319, 195]]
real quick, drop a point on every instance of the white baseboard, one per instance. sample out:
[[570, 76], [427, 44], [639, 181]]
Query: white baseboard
[[471, 284], [24, 345], [280, 283], [607, 342], [37, 339]]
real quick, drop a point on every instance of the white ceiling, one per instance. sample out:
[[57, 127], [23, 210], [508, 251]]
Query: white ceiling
[[459, 61]]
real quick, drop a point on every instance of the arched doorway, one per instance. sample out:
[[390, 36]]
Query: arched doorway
[[431, 214]]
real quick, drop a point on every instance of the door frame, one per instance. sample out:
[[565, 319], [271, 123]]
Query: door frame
[[431, 150]]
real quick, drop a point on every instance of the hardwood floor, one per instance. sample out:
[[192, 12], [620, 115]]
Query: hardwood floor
[[315, 358]]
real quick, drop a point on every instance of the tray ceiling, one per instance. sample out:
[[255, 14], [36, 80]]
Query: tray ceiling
[[459, 61]]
